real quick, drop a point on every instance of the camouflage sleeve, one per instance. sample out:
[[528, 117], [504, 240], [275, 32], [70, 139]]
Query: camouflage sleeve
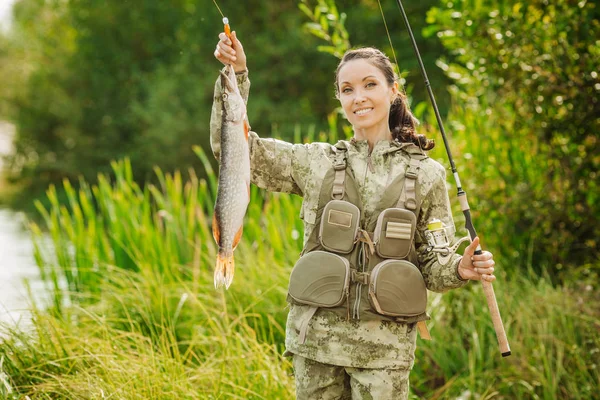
[[436, 204], [275, 165]]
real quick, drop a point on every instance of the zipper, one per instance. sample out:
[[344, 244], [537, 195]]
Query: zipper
[[356, 307], [370, 164], [370, 167], [362, 261]]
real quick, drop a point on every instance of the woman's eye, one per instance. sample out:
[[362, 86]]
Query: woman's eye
[[371, 84], [346, 90]]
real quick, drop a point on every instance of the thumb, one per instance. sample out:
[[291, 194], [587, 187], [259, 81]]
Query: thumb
[[235, 39], [470, 250]]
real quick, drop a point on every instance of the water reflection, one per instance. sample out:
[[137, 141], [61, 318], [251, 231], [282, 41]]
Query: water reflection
[[17, 265]]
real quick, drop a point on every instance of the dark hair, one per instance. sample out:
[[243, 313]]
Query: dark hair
[[402, 122]]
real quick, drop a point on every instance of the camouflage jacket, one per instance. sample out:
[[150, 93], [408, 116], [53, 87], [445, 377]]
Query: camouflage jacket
[[300, 168]]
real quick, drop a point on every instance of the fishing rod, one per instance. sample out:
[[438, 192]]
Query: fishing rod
[[488, 289]]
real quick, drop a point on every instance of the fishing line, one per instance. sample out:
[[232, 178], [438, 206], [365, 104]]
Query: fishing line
[[218, 9], [391, 44]]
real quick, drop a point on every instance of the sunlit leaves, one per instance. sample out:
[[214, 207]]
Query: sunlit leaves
[[530, 64]]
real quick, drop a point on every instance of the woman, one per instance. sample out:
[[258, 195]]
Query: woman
[[354, 349]]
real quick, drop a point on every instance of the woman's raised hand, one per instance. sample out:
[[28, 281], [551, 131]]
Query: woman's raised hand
[[477, 267], [231, 52]]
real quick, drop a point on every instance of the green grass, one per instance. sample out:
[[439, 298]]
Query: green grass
[[139, 317]]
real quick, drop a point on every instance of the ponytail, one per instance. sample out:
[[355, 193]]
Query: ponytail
[[403, 124]]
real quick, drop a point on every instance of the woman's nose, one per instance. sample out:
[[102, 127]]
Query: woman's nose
[[359, 97]]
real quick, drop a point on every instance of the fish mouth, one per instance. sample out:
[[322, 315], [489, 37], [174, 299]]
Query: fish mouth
[[228, 79]]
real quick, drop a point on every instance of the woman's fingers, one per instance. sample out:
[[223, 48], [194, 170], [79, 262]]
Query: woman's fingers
[[484, 264], [223, 37], [477, 266], [224, 56], [224, 52], [225, 48]]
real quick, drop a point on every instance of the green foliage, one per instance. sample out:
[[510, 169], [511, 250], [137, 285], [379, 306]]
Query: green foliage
[[134, 313], [102, 81], [526, 122], [327, 24]]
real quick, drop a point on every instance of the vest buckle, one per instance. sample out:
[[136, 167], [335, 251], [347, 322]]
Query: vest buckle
[[339, 165], [360, 277], [411, 174]]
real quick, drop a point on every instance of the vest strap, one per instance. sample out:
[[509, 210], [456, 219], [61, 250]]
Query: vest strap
[[304, 323], [339, 165], [364, 237], [423, 331], [408, 198]]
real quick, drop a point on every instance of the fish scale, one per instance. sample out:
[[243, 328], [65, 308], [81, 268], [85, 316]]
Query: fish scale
[[233, 192]]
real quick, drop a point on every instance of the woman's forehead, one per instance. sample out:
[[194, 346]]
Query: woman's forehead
[[357, 70]]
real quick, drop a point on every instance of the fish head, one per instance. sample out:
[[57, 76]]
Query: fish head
[[233, 103]]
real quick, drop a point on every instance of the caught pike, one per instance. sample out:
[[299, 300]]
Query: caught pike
[[233, 193]]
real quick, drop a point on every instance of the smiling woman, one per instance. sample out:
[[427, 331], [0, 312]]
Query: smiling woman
[[358, 292]]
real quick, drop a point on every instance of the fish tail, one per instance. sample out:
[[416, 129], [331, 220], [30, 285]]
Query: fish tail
[[224, 270]]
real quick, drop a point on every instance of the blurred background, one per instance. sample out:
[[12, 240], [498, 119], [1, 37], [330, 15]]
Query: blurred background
[[105, 106]]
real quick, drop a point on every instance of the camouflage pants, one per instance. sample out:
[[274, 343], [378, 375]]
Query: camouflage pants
[[317, 381]]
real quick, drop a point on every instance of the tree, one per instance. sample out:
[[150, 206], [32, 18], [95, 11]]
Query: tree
[[527, 72]]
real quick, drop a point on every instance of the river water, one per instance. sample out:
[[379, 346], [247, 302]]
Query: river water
[[17, 266]]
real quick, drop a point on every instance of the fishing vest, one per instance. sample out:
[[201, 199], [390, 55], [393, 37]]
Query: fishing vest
[[363, 268]]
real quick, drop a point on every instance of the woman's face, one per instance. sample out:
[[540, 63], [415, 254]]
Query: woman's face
[[365, 95]]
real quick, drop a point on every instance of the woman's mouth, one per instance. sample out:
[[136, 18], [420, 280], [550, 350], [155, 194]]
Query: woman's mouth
[[363, 111]]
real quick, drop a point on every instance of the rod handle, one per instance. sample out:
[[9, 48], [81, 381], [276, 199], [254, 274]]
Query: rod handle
[[490, 297]]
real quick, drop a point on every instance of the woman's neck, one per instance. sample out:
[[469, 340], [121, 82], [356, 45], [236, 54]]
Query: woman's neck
[[373, 135]]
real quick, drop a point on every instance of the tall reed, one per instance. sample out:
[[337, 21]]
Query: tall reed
[[138, 316]]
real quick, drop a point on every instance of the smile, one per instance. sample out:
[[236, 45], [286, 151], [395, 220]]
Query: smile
[[363, 111]]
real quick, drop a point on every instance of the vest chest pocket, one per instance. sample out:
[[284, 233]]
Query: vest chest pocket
[[394, 233], [339, 226]]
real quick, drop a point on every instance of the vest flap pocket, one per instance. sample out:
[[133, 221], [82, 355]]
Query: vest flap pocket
[[397, 289], [339, 226], [394, 233], [320, 279]]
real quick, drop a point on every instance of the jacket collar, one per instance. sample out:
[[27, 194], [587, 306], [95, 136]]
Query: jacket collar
[[386, 146]]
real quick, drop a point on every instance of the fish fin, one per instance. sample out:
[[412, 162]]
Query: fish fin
[[238, 236], [215, 229], [224, 270], [246, 128]]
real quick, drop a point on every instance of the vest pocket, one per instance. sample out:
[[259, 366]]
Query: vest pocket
[[394, 233], [319, 279], [339, 226], [397, 289]]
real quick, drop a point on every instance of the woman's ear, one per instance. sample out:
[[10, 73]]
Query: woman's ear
[[395, 91]]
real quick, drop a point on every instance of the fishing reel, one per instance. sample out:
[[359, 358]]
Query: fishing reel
[[437, 238]]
